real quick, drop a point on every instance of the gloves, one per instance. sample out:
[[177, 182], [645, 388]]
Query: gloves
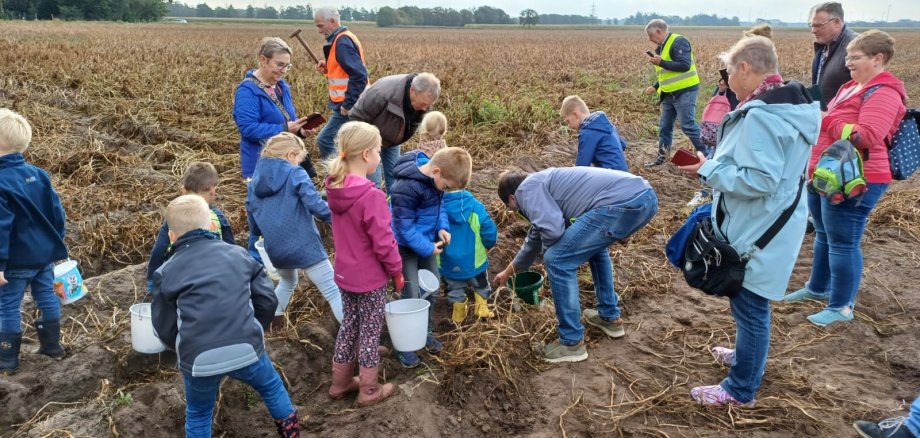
[[399, 281]]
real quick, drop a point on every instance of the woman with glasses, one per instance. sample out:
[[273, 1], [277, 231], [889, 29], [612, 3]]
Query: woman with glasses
[[867, 110]]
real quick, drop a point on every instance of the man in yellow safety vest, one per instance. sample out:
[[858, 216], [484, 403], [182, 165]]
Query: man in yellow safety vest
[[677, 87], [345, 71]]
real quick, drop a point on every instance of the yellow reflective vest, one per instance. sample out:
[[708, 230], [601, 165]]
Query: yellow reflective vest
[[671, 81]]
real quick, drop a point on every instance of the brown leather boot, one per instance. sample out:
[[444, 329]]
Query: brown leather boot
[[371, 390], [343, 380]]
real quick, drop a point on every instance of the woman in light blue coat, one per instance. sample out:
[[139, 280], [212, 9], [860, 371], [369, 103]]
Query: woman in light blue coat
[[763, 148]]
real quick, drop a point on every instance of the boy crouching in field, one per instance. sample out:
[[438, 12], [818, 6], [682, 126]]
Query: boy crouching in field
[[599, 143], [211, 304]]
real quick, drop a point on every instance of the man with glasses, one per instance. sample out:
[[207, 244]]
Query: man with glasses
[[828, 69]]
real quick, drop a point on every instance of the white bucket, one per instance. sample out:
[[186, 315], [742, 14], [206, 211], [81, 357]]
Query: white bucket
[[260, 248], [427, 281], [143, 340], [407, 322], [68, 283]]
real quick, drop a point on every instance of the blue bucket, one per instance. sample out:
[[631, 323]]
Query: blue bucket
[[68, 283]]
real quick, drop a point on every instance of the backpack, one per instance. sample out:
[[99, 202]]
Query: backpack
[[839, 173], [904, 144], [715, 111]]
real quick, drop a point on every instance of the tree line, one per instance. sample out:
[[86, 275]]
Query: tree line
[[299, 12], [111, 10]]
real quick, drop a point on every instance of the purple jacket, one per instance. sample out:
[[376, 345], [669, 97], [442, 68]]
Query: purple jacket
[[366, 255]]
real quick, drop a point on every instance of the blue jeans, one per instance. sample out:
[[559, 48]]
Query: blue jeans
[[913, 421], [326, 137], [388, 157], [682, 107], [752, 343], [201, 392], [42, 293], [838, 262], [321, 275], [587, 240]]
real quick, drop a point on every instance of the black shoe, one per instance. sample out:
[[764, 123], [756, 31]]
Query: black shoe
[[658, 161], [49, 338], [9, 352], [890, 428]]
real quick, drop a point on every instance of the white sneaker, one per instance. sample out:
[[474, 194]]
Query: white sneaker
[[698, 199]]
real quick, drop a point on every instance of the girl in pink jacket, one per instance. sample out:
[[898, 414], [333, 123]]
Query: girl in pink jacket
[[366, 256]]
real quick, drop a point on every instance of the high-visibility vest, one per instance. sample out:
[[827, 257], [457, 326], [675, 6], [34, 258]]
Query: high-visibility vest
[[335, 74], [671, 81]]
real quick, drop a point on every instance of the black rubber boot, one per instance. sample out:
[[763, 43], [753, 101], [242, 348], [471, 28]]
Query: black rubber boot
[[49, 337], [662, 155], [9, 352]]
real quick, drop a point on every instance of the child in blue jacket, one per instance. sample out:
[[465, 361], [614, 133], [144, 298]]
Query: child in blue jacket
[[200, 178], [420, 221], [465, 261], [31, 239], [599, 143]]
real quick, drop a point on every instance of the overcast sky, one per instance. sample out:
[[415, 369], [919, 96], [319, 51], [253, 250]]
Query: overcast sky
[[786, 10]]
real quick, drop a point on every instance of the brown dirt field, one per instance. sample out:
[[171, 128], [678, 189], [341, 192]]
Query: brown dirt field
[[119, 110]]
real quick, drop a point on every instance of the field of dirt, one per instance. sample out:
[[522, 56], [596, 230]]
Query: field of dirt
[[119, 110]]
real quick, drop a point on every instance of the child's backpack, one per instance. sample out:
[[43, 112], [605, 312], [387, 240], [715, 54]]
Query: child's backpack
[[904, 145], [715, 111], [839, 173]]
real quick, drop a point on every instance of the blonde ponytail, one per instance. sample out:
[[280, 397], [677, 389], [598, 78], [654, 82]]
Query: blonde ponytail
[[279, 145], [353, 139]]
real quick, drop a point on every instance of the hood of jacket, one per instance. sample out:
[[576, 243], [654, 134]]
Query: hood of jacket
[[407, 167], [793, 104], [270, 176], [459, 205], [597, 121], [343, 198]]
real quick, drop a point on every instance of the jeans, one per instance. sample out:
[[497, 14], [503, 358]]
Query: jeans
[[681, 106], [913, 421], [587, 240], [42, 290], [456, 289], [411, 265], [388, 157], [321, 275], [752, 343], [200, 394], [326, 137], [838, 262]]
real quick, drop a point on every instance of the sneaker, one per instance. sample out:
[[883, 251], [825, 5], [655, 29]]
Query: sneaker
[[722, 355], [827, 317], [699, 198], [432, 344], [614, 328], [890, 428], [658, 161], [804, 294], [555, 352], [716, 396], [408, 359]]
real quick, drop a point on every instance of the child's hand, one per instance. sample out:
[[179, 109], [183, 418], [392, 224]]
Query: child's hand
[[500, 278], [399, 281], [438, 248], [445, 236], [2, 279]]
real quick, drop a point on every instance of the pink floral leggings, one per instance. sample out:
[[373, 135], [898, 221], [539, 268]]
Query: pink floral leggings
[[361, 327]]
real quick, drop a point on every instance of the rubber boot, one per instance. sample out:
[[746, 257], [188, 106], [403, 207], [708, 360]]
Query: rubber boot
[[459, 311], [9, 352], [288, 427], [343, 380], [482, 307], [49, 338], [371, 390], [662, 155]]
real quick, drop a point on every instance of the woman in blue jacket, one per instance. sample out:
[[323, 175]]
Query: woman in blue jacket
[[755, 174]]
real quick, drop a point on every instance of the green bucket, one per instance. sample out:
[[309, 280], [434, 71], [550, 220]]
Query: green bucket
[[527, 286]]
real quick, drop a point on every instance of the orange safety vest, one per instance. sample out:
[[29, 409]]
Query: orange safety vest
[[335, 74]]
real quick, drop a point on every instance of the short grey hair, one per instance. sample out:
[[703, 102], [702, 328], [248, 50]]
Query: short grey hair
[[833, 9], [656, 24], [757, 51], [272, 46], [326, 13], [427, 83]]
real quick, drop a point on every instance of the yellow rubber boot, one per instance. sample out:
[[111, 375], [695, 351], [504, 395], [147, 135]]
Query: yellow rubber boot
[[459, 313], [482, 307]]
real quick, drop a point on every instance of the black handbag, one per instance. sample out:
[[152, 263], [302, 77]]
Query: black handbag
[[714, 266]]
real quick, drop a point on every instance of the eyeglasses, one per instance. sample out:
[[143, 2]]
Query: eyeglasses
[[854, 58], [818, 26], [282, 66]]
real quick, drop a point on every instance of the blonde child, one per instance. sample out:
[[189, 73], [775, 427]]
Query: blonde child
[[366, 257], [431, 133], [31, 239], [281, 202]]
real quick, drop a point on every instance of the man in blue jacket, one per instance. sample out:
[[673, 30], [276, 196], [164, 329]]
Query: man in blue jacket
[[599, 143]]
